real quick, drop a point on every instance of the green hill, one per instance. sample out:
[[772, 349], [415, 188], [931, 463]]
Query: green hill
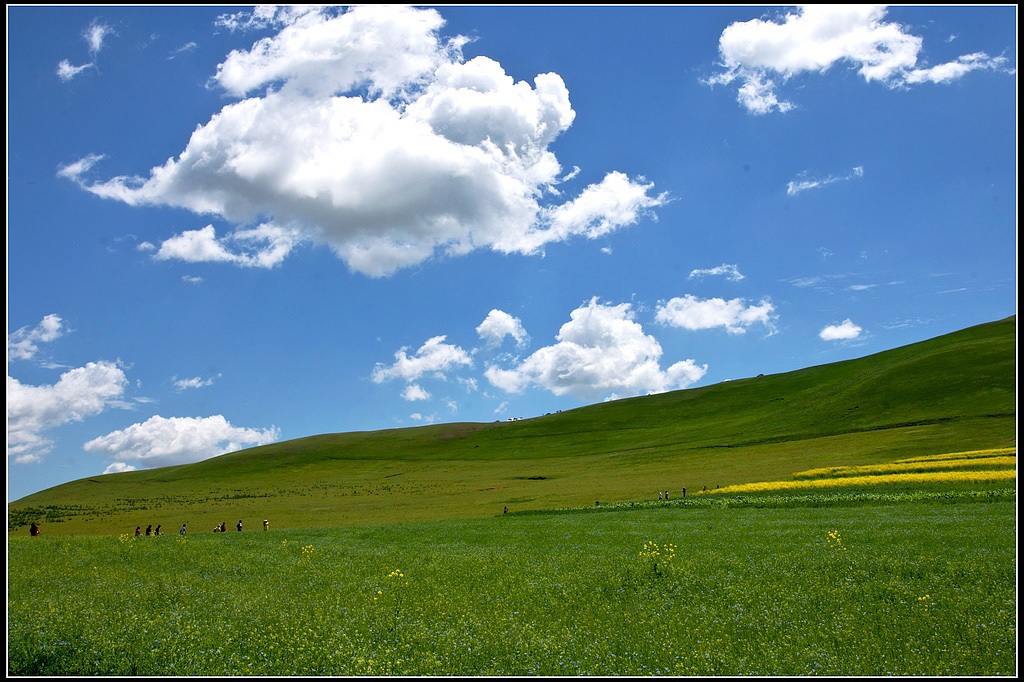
[[951, 393]]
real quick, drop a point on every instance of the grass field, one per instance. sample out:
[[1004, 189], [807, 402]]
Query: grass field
[[879, 584], [856, 519]]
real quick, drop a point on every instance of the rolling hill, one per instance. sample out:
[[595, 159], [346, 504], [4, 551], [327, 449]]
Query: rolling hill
[[954, 392]]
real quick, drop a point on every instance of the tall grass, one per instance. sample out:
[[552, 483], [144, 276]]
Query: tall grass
[[920, 587]]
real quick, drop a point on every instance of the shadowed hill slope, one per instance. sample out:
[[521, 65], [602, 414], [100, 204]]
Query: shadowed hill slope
[[953, 392]]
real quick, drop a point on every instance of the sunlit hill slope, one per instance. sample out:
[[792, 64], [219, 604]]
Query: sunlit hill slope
[[951, 393]]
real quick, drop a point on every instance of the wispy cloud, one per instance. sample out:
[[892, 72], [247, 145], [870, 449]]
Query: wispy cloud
[[23, 344], [94, 35], [187, 47], [805, 182], [730, 272], [193, 382]]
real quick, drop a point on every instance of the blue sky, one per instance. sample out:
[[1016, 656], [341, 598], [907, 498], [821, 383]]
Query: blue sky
[[232, 226]]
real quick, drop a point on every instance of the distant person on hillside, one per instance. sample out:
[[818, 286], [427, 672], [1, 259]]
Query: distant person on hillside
[[138, 531], [149, 530], [266, 524], [659, 495], [239, 526], [182, 531], [157, 529], [223, 526], [33, 530]]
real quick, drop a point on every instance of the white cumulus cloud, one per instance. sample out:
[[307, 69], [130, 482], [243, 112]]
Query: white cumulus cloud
[[840, 332], [163, 441], [415, 392], [263, 246], [763, 54], [363, 130], [602, 351], [498, 324], [118, 467], [79, 393], [735, 315], [434, 358]]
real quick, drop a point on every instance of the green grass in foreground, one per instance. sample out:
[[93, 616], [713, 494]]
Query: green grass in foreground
[[873, 583]]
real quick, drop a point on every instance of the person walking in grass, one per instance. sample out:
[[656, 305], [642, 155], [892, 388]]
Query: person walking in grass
[[182, 531], [266, 524], [239, 526]]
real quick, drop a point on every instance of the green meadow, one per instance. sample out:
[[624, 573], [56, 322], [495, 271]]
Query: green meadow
[[883, 584], [857, 518]]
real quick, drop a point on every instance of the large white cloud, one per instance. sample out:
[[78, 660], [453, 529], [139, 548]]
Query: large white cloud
[[372, 136], [79, 393], [163, 441], [690, 312], [601, 352], [759, 53]]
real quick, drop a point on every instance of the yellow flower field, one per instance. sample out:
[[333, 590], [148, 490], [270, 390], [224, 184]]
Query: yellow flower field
[[975, 466]]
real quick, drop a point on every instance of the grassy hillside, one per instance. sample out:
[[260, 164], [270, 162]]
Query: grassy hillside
[[952, 393]]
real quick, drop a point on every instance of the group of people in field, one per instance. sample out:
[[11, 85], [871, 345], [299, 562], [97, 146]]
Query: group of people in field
[[223, 527], [664, 495]]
